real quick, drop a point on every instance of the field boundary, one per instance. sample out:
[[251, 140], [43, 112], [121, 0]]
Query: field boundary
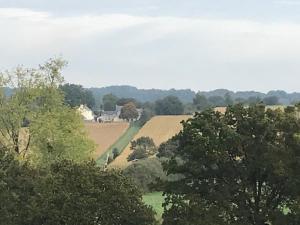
[[121, 143]]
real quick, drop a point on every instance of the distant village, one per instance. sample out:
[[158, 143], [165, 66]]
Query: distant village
[[104, 116]]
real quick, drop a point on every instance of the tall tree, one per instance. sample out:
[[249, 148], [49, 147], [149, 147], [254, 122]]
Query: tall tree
[[201, 102], [142, 148], [129, 112], [169, 105], [109, 102], [75, 95], [241, 168], [34, 118]]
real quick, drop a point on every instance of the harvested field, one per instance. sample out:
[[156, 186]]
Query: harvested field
[[159, 128], [105, 134]]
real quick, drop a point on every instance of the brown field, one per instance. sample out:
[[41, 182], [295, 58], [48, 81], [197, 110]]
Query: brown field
[[159, 128], [105, 134]]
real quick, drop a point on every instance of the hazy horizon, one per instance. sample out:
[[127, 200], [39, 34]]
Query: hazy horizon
[[193, 44]]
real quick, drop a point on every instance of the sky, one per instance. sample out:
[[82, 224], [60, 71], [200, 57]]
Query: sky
[[194, 44]]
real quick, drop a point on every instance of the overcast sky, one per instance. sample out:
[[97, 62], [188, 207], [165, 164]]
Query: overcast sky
[[196, 44]]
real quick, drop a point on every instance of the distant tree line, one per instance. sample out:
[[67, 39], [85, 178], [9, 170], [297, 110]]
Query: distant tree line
[[187, 96]]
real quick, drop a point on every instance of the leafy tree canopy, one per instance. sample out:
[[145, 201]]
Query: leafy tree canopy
[[169, 105], [129, 112], [201, 102], [109, 102], [69, 193], [35, 122], [76, 95], [241, 168], [142, 148]]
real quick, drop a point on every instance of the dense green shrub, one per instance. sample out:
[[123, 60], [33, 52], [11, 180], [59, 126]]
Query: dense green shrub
[[68, 193], [145, 173]]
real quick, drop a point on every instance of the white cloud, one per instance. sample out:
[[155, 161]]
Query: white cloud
[[123, 47]]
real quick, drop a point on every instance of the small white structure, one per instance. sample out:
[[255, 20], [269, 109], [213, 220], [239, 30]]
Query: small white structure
[[114, 116], [86, 113]]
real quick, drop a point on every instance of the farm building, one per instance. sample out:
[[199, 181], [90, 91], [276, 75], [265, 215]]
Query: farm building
[[114, 116], [86, 113]]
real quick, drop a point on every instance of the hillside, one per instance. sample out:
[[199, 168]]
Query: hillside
[[142, 95], [187, 95], [105, 134], [159, 128]]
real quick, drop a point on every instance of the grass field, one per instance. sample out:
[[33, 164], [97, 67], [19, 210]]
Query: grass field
[[120, 143], [159, 128], [155, 200], [105, 134]]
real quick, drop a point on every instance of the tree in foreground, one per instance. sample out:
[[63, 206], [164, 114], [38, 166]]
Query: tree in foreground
[[35, 122], [67, 194], [129, 112], [241, 168]]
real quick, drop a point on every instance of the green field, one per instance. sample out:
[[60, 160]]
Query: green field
[[121, 143], [155, 200]]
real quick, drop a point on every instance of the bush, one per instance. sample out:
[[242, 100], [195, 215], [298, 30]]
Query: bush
[[145, 173], [68, 193], [142, 148]]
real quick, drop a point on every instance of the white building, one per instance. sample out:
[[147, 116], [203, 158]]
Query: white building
[[114, 116], [86, 113]]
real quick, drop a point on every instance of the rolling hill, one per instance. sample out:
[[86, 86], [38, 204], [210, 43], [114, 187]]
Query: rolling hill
[[159, 128]]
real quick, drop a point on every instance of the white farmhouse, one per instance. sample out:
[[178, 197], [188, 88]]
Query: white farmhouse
[[86, 113]]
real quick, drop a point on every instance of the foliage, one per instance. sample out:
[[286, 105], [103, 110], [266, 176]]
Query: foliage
[[124, 101], [217, 101], [76, 95], [145, 172], [201, 102], [142, 148], [109, 102], [87, 195], [142, 95], [68, 193], [53, 130], [169, 105], [129, 112], [167, 149], [271, 100], [115, 153], [228, 99], [241, 168], [148, 113], [17, 188]]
